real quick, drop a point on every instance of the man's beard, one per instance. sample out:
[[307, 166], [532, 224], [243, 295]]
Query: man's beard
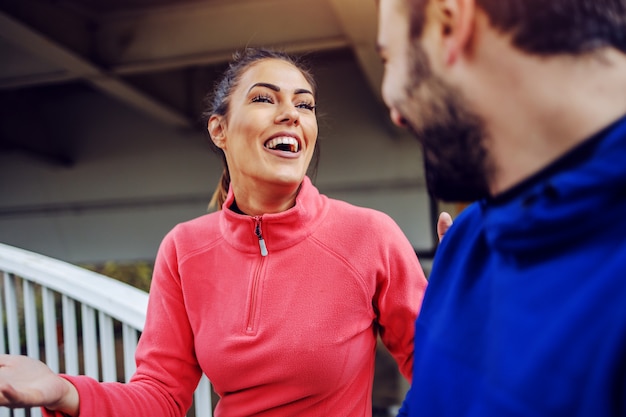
[[452, 137]]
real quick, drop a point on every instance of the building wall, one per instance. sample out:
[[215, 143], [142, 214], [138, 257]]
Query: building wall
[[134, 178]]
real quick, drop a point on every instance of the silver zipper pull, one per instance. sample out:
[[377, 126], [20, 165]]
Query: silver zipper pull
[[257, 232]]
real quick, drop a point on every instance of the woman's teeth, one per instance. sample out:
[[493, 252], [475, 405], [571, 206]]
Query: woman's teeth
[[283, 143]]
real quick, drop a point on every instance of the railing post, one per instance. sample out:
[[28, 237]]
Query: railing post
[[30, 320], [107, 348], [70, 339], [129, 340], [202, 397], [50, 329], [10, 300], [90, 354], [4, 412]]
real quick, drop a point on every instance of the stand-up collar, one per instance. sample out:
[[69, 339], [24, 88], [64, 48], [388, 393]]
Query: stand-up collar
[[279, 230]]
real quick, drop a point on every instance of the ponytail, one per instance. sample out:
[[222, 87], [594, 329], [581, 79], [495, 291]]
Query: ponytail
[[221, 191]]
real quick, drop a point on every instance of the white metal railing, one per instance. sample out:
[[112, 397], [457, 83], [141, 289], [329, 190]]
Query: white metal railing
[[88, 323]]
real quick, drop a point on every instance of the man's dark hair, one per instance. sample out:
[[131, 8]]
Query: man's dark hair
[[548, 27]]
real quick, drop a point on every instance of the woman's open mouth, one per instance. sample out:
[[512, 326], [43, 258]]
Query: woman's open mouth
[[283, 143]]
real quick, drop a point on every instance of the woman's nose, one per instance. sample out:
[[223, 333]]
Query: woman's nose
[[288, 114]]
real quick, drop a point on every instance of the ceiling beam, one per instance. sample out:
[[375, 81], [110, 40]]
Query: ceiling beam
[[208, 58], [73, 65], [204, 33], [359, 21], [36, 79]]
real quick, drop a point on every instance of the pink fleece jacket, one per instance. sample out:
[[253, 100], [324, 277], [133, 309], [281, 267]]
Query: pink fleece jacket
[[291, 333]]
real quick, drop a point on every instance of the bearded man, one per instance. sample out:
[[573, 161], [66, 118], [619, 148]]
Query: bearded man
[[520, 106]]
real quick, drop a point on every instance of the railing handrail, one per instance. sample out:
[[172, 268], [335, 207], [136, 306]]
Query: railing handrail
[[96, 292], [115, 298]]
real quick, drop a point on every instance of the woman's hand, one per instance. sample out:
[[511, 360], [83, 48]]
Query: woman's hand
[[443, 224], [27, 382]]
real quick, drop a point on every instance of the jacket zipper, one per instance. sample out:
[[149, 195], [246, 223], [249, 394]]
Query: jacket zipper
[[250, 324], [250, 327]]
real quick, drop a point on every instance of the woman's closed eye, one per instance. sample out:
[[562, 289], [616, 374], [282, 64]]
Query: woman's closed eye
[[265, 98], [262, 98], [306, 105]]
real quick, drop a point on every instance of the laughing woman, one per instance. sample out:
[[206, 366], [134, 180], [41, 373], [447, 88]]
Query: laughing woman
[[278, 297]]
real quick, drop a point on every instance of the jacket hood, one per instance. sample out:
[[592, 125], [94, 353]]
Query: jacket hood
[[575, 196]]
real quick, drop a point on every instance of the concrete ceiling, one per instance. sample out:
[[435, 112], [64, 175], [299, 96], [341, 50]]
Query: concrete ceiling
[[154, 54]]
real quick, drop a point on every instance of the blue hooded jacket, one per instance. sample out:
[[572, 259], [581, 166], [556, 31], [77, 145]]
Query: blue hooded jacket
[[525, 312]]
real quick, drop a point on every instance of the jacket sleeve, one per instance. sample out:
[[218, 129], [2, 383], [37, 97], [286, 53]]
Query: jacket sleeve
[[167, 370], [400, 287]]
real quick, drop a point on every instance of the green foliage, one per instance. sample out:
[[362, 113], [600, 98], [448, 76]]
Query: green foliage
[[137, 274]]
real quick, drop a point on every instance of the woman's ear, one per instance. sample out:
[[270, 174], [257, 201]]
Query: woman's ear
[[215, 126]]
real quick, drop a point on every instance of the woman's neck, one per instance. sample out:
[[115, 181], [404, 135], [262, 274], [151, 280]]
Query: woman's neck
[[266, 201]]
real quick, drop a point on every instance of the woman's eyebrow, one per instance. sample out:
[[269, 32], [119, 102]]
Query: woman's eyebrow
[[302, 91], [277, 88], [266, 85]]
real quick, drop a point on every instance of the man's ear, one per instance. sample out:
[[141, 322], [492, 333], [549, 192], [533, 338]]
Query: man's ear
[[215, 126], [457, 26]]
